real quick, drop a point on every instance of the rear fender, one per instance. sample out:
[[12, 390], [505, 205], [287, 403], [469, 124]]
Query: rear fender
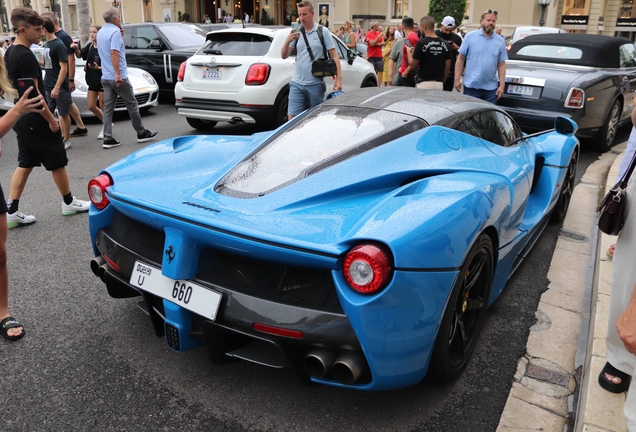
[[429, 224]]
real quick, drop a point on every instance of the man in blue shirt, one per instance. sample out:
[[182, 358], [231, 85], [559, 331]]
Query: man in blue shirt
[[306, 90], [484, 53], [110, 46]]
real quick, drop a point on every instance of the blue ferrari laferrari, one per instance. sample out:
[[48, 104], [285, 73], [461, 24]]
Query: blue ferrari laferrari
[[359, 244]]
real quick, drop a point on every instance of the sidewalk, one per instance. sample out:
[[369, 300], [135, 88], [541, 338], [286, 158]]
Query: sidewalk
[[555, 387]]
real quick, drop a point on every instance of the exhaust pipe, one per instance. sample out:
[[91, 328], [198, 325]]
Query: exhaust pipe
[[102, 271], [348, 368], [96, 263], [318, 362]]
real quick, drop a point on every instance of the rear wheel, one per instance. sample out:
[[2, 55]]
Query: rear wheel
[[369, 83], [607, 134], [281, 112], [199, 124], [465, 313], [562, 204]]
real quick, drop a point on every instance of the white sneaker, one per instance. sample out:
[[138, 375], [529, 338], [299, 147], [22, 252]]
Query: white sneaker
[[100, 135], [67, 145], [75, 207], [19, 219]]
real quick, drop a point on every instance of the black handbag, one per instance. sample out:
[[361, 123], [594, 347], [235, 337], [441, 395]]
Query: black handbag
[[322, 67], [612, 208]]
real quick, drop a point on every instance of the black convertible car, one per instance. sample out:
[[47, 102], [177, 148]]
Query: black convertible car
[[588, 78]]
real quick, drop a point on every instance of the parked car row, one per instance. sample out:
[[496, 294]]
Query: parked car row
[[144, 86]]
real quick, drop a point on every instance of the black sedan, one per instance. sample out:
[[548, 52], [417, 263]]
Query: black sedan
[[588, 78], [160, 48]]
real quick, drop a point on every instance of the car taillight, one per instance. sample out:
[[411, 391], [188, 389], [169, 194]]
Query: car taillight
[[575, 99], [181, 73], [97, 190], [257, 74], [367, 268]]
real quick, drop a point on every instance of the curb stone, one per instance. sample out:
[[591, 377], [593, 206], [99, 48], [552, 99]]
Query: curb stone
[[566, 347]]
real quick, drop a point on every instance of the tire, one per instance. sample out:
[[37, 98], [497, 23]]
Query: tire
[[369, 83], [563, 202], [465, 312], [202, 125], [281, 112], [607, 134]]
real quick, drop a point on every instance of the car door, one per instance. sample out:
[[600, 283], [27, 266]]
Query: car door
[[628, 76], [351, 75], [150, 59], [500, 132]]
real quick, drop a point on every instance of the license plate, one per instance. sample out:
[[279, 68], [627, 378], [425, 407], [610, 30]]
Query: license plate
[[188, 295], [520, 90], [212, 74]]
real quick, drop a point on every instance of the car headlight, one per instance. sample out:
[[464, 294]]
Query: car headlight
[[149, 79], [81, 86]]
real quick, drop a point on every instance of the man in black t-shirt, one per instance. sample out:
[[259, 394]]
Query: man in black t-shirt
[[431, 55], [38, 134], [58, 93], [454, 41], [72, 52]]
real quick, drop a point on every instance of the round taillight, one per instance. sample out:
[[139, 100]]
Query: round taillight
[[367, 268], [97, 190], [181, 73]]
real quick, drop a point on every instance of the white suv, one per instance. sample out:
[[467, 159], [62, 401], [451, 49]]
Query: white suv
[[238, 76]]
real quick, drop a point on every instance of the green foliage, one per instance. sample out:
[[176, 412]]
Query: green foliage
[[186, 17], [438, 9], [265, 19]]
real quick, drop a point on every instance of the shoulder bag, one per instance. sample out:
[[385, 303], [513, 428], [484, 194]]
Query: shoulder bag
[[612, 208], [322, 67]]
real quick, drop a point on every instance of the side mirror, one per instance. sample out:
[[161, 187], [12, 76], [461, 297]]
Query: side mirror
[[565, 126], [155, 44], [351, 56]]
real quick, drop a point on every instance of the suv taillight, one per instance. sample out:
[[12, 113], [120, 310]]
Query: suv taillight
[[257, 74], [575, 99], [181, 73], [97, 190], [367, 268]]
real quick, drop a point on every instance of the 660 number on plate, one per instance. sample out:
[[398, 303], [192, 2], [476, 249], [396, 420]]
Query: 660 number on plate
[[193, 297]]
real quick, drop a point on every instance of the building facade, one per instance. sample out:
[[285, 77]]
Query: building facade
[[609, 17]]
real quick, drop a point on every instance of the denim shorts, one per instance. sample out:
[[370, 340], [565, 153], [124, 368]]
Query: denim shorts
[[377, 62], [302, 96]]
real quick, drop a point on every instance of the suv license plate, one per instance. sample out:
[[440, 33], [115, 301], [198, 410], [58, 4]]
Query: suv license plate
[[212, 74], [188, 295], [520, 90]]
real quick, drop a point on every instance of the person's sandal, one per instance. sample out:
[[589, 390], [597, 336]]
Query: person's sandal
[[9, 323], [609, 385]]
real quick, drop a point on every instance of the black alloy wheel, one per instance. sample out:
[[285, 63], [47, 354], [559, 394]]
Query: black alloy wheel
[[465, 313], [567, 188], [202, 125], [281, 112], [607, 134]]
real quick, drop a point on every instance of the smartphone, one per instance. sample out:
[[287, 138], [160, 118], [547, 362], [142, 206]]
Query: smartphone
[[295, 27], [23, 86]]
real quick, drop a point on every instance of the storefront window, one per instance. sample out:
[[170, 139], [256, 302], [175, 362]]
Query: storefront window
[[400, 8]]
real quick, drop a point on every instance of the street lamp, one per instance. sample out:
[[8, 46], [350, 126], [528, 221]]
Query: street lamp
[[544, 4]]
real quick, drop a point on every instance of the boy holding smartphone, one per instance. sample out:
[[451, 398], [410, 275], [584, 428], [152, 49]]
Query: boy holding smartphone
[[38, 134], [454, 41]]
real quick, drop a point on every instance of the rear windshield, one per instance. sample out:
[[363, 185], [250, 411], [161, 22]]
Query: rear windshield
[[184, 35], [326, 136], [236, 44], [554, 52]]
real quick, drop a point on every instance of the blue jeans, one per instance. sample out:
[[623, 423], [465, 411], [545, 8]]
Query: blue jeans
[[302, 97], [487, 95]]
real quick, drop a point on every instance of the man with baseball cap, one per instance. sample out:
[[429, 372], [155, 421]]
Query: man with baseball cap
[[454, 41], [375, 42]]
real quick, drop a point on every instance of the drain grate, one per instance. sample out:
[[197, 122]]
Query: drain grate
[[543, 374]]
